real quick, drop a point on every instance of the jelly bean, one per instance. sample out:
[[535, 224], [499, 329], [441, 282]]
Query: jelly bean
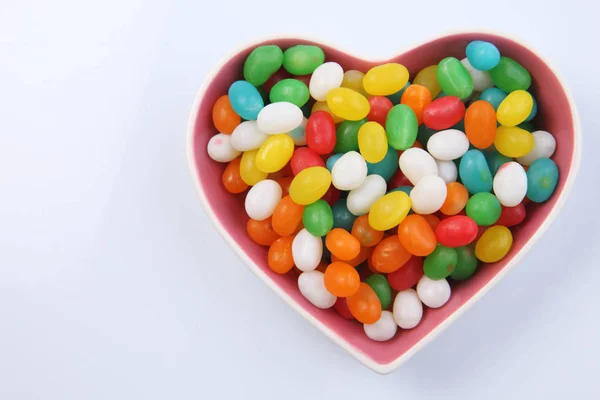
[[366, 235], [312, 287], [448, 145], [262, 62], [231, 178], [385, 79], [396, 97], [389, 255], [279, 75], [346, 136], [291, 91], [331, 195], [480, 124], [424, 134], [341, 307], [381, 287], [515, 108], [512, 216], [285, 183], [528, 126], [261, 232], [279, 117], [384, 329], [307, 250], [349, 172], [417, 97], [428, 195], [533, 110], [287, 216], [509, 75], [433, 293], [416, 236], [428, 77], [361, 199], [432, 220], [223, 116], [318, 218], [326, 77], [456, 199], [447, 170], [342, 217], [456, 231], [481, 79], [372, 142], [332, 160], [494, 96], [322, 106], [274, 153], [262, 199], [454, 79], [440, 264], [348, 104], [279, 257], [380, 107], [416, 164], [246, 136], [408, 309], [364, 305], [483, 55], [542, 178], [298, 135], [474, 172], [310, 185], [353, 79], [494, 244], [341, 279], [408, 275], [544, 146], [342, 244], [248, 171], [401, 126], [389, 211], [466, 263], [220, 149], [387, 167], [245, 100], [484, 208], [494, 159], [443, 113], [303, 158], [510, 184], [303, 59], [363, 255], [320, 132], [513, 141]]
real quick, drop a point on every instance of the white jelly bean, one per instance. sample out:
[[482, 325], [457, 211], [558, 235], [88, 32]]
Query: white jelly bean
[[220, 149], [326, 77], [349, 172], [361, 199], [447, 170], [384, 329], [408, 309], [280, 117], [433, 294], [298, 135], [448, 145], [510, 184], [543, 147], [262, 199], [306, 250], [416, 163], [246, 136], [312, 286], [481, 79], [428, 195]]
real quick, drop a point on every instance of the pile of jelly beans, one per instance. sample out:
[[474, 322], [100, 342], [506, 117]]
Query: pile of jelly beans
[[373, 191]]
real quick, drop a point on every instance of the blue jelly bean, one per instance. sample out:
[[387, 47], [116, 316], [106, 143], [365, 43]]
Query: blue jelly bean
[[495, 159], [542, 177], [424, 133], [342, 217], [494, 96], [245, 100], [395, 98], [483, 55], [474, 172], [387, 167], [533, 111], [332, 160]]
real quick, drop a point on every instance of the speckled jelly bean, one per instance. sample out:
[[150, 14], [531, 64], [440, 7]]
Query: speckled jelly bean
[[416, 235], [401, 127], [349, 172], [312, 286], [348, 104], [380, 107], [509, 75], [408, 309], [279, 117], [484, 208], [544, 146], [320, 132], [262, 62], [456, 231], [515, 108], [387, 167], [448, 145], [481, 79], [389, 210], [346, 136], [303, 59], [513, 141], [290, 90], [372, 142], [480, 124], [428, 195], [542, 178], [440, 264], [494, 96], [310, 185], [416, 163], [428, 77], [443, 113], [361, 199], [482, 55], [466, 263], [327, 76], [433, 293], [385, 79], [474, 172], [454, 79], [510, 184], [220, 148], [494, 244], [245, 100]]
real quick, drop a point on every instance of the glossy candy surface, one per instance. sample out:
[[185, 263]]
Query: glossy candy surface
[[346, 136], [224, 117], [326, 76], [341, 279], [513, 141], [342, 244], [389, 255], [320, 132], [480, 124], [416, 235], [317, 218], [279, 257], [428, 77], [515, 108], [508, 75], [408, 309], [454, 79], [364, 232], [401, 126], [494, 244], [456, 231], [372, 142], [466, 263], [290, 90], [385, 79], [408, 275], [482, 55], [262, 62], [542, 178], [510, 184], [245, 100], [474, 172], [365, 305], [361, 199], [440, 264], [287, 216], [274, 153], [389, 210], [312, 286], [443, 113], [302, 59], [310, 185], [348, 104], [484, 208], [433, 293], [417, 97]]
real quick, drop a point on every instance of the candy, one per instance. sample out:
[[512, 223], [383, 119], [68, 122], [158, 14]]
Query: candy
[[380, 107], [246, 136], [353, 79], [389, 255], [439, 264], [401, 126], [542, 178], [454, 79], [389, 210], [416, 163], [428, 77], [231, 178], [279, 117], [287, 216], [480, 124], [443, 113], [245, 100], [383, 329], [342, 217], [474, 172], [322, 106], [366, 235], [408, 309], [262, 62], [466, 263], [250, 174], [494, 244], [544, 146], [361, 199], [481, 79], [291, 91], [302, 59], [341, 279], [447, 170], [303, 158], [332, 160], [348, 104], [346, 136], [484, 208], [279, 75], [513, 141], [533, 111], [364, 305], [512, 216], [320, 132], [261, 232], [349, 172], [387, 167], [274, 153], [262, 199], [372, 142], [448, 145], [510, 184], [312, 287], [310, 185], [482, 55], [279, 257], [408, 275], [456, 231], [417, 97], [416, 235], [326, 77], [494, 96], [341, 307], [456, 199], [307, 250], [515, 108], [342, 244], [223, 116], [495, 160], [382, 289], [318, 218], [220, 148], [509, 75], [385, 79], [433, 293], [428, 195]]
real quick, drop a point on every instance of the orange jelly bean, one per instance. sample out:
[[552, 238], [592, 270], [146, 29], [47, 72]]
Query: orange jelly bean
[[224, 118], [365, 253], [389, 255], [366, 235], [280, 258], [456, 199], [262, 232], [364, 305], [231, 178], [480, 124], [416, 235], [432, 220], [342, 244], [287, 216], [417, 97], [341, 279]]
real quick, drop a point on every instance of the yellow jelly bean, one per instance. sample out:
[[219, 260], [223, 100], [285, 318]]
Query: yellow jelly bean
[[494, 244], [274, 153], [513, 141], [348, 104], [372, 142], [322, 106], [310, 185], [389, 211], [385, 79], [250, 174], [515, 108], [428, 77], [353, 80]]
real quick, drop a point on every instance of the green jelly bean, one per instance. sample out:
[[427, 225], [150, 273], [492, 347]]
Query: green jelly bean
[[454, 79], [528, 126], [495, 159], [396, 97], [346, 136], [466, 264], [263, 62], [342, 217], [303, 59], [263, 93], [424, 134], [484, 208], [382, 289], [290, 90], [509, 75], [387, 167], [542, 178], [326, 253], [401, 126], [307, 109], [318, 218], [439, 264]]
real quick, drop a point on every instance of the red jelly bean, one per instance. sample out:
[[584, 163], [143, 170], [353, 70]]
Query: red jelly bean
[[276, 77], [512, 216], [408, 275], [444, 113], [380, 106], [320, 132], [397, 180], [456, 231], [303, 158], [341, 307], [331, 195]]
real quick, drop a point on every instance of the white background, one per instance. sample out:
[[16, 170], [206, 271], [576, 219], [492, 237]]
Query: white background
[[113, 283]]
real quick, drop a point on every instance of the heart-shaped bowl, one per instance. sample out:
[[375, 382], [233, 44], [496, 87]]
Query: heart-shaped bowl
[[557, 114]]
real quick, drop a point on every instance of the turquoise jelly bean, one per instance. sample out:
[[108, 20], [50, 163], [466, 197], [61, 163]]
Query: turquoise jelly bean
[[440, 95], [424, 134], [494, 96], [387, 167], [495, 159], [474, 172], [533, 111], [528, 126], [342, 217], [405, 189], [307, 109], [332, 160], [245, 100], [483, 55], [542, 177], [395, 98]]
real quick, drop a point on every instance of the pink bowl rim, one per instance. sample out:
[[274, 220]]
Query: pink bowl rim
[[352, 350]]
